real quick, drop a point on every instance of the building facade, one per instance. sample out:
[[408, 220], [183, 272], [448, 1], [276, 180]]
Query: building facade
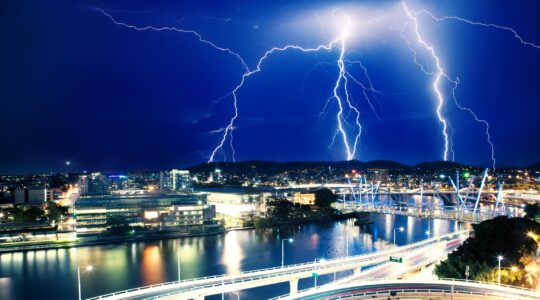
[[175, 180], [95, 214], [93, 184]]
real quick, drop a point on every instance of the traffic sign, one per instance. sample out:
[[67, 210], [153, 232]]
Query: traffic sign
[[396, 259]]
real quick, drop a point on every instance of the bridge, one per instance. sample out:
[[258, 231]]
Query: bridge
[[415, 289], [416, 255]]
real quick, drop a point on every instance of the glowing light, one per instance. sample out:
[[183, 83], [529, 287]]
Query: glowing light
[[341, 82], [476, 23], [439, 75]]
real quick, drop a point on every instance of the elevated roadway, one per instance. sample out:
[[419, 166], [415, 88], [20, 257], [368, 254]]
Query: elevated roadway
[[198, 288], [415, 289]]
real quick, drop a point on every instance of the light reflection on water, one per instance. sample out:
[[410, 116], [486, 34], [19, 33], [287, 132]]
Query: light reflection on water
[[52, 273]]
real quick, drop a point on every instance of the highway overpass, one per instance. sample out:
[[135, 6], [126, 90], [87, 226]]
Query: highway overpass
[[414, 289], [425, 251]]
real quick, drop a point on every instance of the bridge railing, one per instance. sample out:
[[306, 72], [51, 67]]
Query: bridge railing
[[367, 281], [322, 266], [229, 277]]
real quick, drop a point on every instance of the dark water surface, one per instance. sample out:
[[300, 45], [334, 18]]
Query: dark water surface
[[52, 274]]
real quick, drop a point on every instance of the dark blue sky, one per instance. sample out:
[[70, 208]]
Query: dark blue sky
[[74, 86]]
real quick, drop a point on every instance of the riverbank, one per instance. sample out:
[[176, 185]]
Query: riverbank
[[278, 222], [93, 240]]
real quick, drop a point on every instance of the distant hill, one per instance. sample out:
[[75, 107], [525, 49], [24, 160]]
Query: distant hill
[[439, 165], [535, 167], [272, 167]]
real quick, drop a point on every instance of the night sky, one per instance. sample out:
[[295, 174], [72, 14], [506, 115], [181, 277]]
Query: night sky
[[76, 87]]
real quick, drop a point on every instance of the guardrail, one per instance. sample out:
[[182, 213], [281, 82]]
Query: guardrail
[[232, 278], [371, 281]]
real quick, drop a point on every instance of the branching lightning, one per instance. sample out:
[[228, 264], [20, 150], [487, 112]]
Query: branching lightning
[[343, 101], [440, 72], [439, 75], [175, 29], [348, 114], [473, 114], [489, 25], [340, 90]]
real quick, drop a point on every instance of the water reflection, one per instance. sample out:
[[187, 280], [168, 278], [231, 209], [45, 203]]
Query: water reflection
[[232, 253], [128, 265]]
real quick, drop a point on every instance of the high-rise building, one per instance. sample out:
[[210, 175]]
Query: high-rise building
[[175, 180], [31, 196], [93, 184]]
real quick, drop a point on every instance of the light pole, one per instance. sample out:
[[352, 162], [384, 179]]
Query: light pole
[[400, 230], [499, 258], [290, 240], [87, 268], [347, 239], [237, 294], [178, 260]]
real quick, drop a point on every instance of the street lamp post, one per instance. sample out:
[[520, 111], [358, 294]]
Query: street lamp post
[[347, 241], [400, 230], [290, 240], [87, 268], [178, 260], [499, 258]]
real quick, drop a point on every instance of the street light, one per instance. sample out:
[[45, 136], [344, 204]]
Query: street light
[[178, 260], [86, 268], [499, 258], [400, 230], [290, 240]]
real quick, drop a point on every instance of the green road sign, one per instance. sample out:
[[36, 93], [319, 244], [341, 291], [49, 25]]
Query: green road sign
[[315, 275], [396, 259]]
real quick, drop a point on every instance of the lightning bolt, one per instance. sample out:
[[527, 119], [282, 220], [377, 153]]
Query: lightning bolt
[[476, 23], [439, 74], [473, 114], [344, 102], [412, 15], [341, 82], [175, 29]]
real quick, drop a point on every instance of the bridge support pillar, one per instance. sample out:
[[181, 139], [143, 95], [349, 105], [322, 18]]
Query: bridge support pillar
[[293, 286]]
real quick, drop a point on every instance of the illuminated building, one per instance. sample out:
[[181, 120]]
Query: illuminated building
[[93, 184], [140, 209], [304, 198], [31, 196], [175, 180], [378, 175]]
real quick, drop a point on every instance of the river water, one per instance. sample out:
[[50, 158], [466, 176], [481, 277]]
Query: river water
[[52, 274]]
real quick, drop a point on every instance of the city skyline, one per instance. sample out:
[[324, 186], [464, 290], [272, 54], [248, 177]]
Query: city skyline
[[108, 92]]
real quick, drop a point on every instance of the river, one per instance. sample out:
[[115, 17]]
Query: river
[[52, 274]]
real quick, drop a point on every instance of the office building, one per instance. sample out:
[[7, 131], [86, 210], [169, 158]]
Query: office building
[[158, 211]]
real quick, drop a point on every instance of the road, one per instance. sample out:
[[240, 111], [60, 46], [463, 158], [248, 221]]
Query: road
[[200, 287]]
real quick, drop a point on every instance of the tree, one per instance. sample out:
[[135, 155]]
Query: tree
[[325, 197], [55, 211], [499, 236], [30, 214], [279, 208], [532, 211]]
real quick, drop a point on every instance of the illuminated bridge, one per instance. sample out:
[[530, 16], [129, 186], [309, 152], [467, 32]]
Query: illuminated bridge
[[412, 256], [415, 289]]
